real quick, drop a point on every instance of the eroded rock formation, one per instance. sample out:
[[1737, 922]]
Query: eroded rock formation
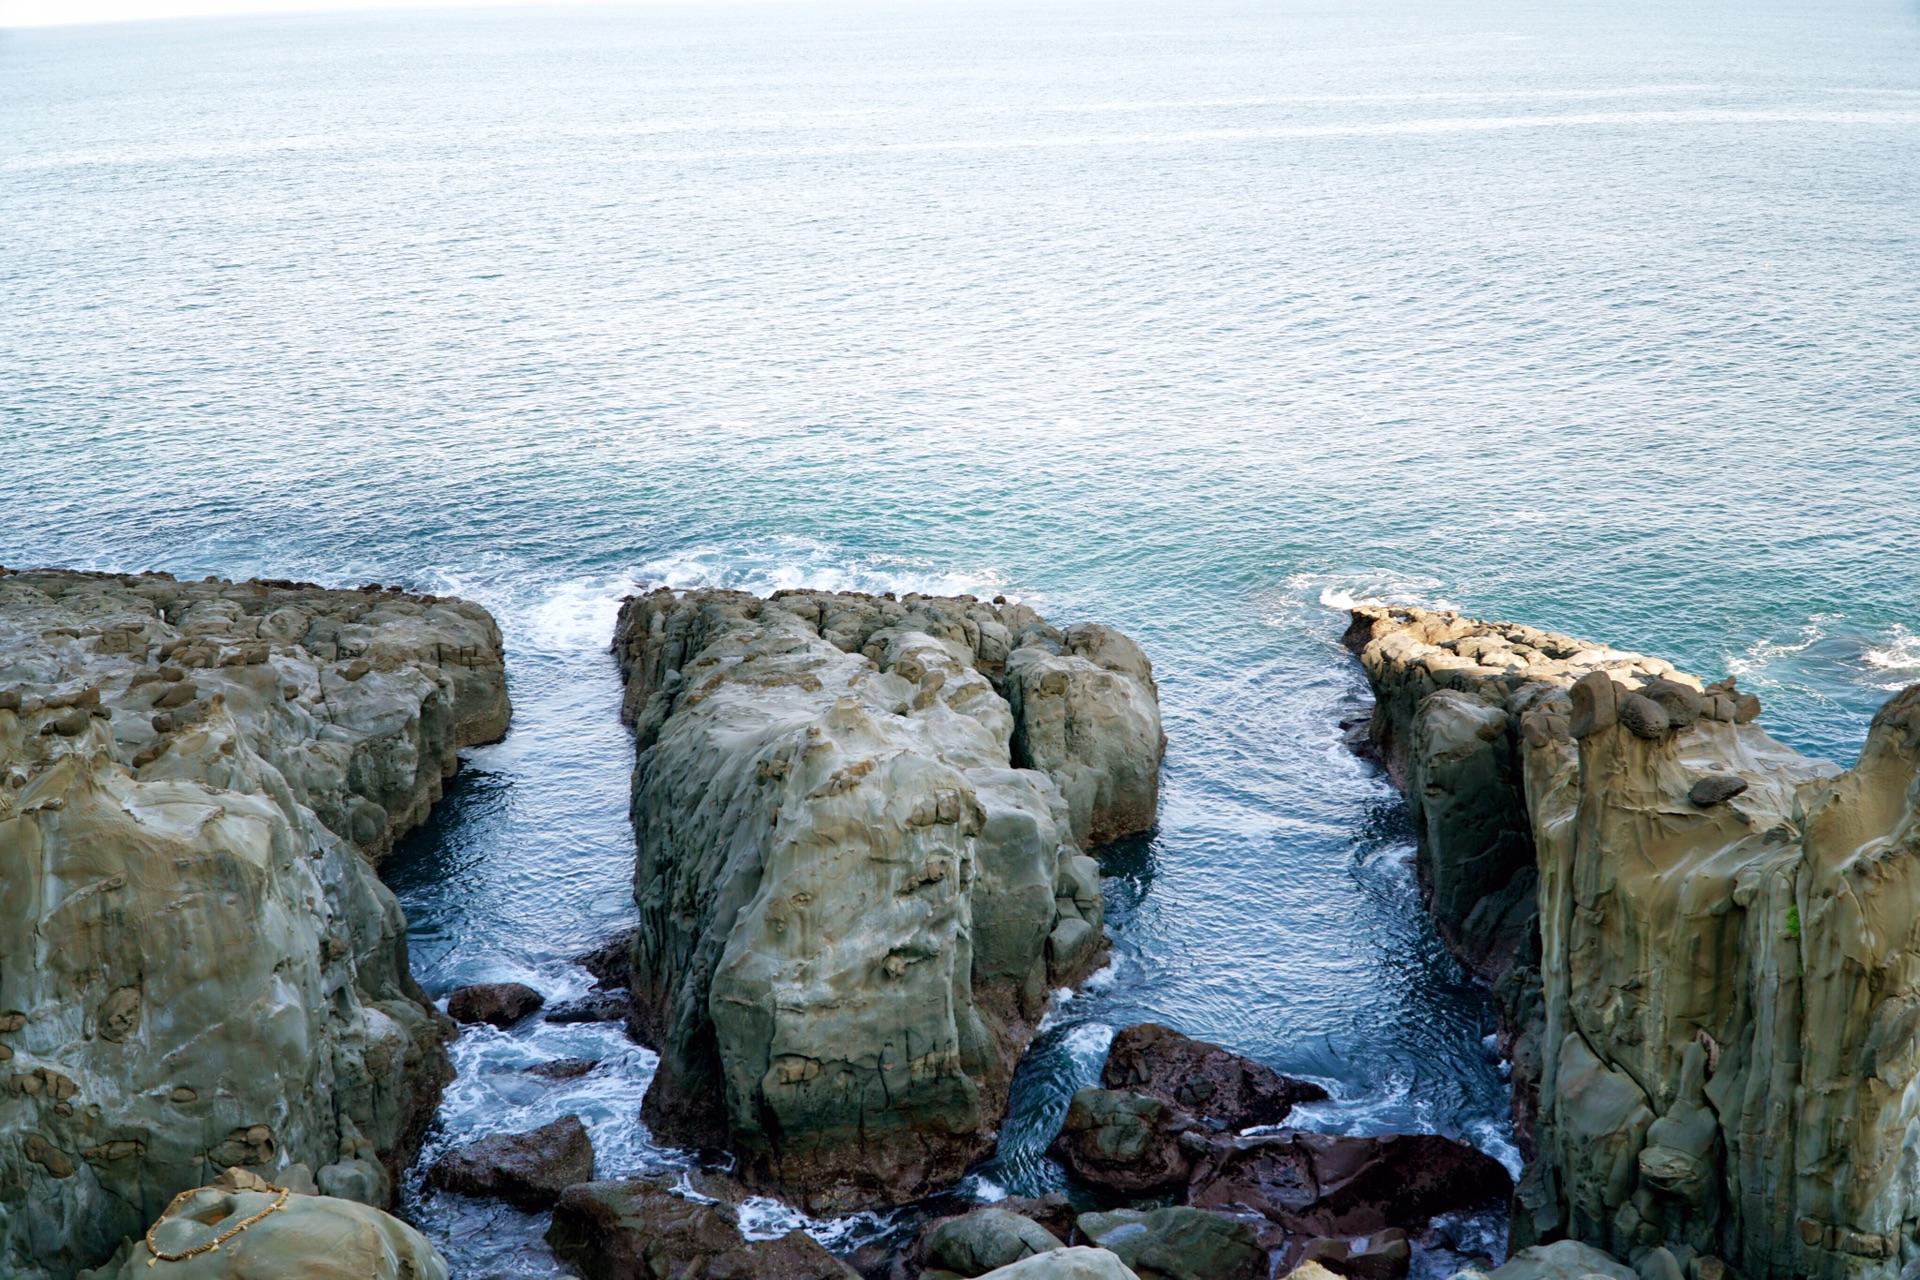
[[1721, 1028], [198, 967], [855, 893]]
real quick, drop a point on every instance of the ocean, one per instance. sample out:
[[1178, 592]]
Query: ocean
[[1202, 319]]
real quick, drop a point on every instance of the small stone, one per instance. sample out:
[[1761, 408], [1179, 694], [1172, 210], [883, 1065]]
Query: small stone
[[183, 1095], [1715, 788], [1643, 716], [1746, 708]]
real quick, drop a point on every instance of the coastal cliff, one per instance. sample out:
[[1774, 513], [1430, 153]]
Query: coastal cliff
[[1704, 944], [199, 969], [860, 826]]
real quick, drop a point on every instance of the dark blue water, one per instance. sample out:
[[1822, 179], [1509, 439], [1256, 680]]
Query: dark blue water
[[1201, 319]]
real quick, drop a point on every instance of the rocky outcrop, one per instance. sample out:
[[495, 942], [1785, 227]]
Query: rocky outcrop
[[528, 1169], [853, 899], [1727, 1052], [312, 1237], [198, 966], [639, 1230]]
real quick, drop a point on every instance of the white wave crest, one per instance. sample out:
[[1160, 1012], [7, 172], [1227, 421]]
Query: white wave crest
[[1345, 591]]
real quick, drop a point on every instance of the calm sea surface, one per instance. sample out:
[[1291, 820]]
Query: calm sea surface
[[1202, 319]]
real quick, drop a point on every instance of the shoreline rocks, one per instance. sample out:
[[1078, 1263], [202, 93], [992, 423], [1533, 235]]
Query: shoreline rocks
[[1717, 1044], [855, 899], [199, 968], [636, 1230]]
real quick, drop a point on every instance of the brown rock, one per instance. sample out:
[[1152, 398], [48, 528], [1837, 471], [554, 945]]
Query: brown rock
[[1315, 1184], [1645, 717], [499, 1004], [528, 1169], [1384, 1255], [1716, 788], [1212, 1084], [599, 1007], [637, 1230]]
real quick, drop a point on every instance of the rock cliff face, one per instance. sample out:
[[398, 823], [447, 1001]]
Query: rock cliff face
[[198, 967], [859, 826], [1722, 1026]]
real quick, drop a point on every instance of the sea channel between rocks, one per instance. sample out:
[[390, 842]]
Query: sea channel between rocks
[[862, 831]]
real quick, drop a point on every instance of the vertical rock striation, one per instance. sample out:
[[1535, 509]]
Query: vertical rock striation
[[860, 825], [199, 968], [1721, 1030]]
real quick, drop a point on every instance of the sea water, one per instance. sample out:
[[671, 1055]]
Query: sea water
[[1202, 319]]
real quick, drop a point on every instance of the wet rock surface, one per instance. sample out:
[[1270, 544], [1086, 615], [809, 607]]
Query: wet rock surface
[[1215, 1086], [198, 967], [527, 1169], [498, 1004], [853, 902], [1723, 997], [639, 1230]]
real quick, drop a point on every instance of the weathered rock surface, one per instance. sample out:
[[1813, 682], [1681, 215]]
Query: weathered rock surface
[[1727, 1049], [853, 903], [1215, 1086], [1067, 1264], [1178, 1243], [313, 1237], [198, 967], [638, 1230], [498, 1004], [528, 1169]]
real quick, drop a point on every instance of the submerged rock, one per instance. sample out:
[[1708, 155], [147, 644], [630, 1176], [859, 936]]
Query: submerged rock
[[1727, 1045], [498, 1004], [1210, 1083], [853, 905], [638, 1230], [528, 1169], [198, 966]]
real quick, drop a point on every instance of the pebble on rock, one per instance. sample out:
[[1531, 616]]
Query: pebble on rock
[[1643, 716], [1716, 788]]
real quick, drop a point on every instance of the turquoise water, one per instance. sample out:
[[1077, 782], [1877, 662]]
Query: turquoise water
[[1202, 319]]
